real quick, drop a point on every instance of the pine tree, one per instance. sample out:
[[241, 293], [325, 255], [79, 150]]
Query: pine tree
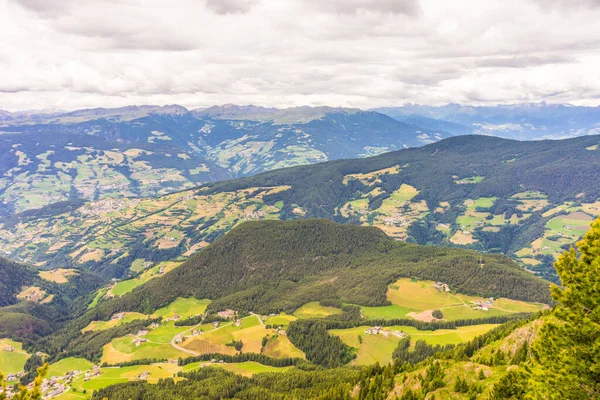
[[569, 344]]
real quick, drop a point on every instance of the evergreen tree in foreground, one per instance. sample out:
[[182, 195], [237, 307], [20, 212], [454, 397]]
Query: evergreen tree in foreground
[[569, 344]]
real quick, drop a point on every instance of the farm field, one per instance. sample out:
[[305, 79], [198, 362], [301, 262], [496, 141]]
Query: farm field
[[280, 346], [103, 325], [128, 285], [280, 320], [182, 307], [111, 224], [124, 349], [247, 368], [112, 375], [12, 362], [315, 310], [416, 299], [385, 312], [59, 275], [377, 348], [60, 368], [562, 230], [250, 332]]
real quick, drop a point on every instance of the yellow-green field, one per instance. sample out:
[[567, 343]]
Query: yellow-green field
[[250, 368], [128, 285], [280, 346], [377, 348], [250, 332], [59, 275], [183, 307], [421, 296], [280, 320], [103, 325], [12, 362], [70, 364], [315, 310], [123, 349]]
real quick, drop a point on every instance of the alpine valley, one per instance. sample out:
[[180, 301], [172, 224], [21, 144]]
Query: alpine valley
[[304, 253]]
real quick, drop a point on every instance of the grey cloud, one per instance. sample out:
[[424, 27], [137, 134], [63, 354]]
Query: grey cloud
[[231, 6], [55, 8], [406, 7], [44, 7], [550, 5], [428, 76], [522, 61]]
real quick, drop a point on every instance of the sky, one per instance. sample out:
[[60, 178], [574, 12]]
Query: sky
[[70, 54]]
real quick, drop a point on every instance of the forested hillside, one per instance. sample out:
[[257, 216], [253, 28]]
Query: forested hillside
[[13, 277], [273, 266], [30, 305], [528, 200]]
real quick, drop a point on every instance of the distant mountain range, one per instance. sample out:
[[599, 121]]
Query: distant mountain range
[[150, 150], [529, 121], [140, 151]]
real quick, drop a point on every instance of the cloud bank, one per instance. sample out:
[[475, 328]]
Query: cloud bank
[[358, 53]]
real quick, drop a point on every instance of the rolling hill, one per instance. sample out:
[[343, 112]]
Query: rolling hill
[[273, 266], [142, 151], [529, 200]]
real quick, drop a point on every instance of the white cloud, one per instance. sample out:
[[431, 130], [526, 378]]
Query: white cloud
[[358, 53]]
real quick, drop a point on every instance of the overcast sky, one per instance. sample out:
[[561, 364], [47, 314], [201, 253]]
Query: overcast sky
[[361, 53]]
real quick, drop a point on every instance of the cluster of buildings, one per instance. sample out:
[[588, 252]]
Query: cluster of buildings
[[143, 376], [442, 287], [396, 220], [9, 348], [255, 214], [104, 206], [138, 339], [378, 330], [14, 377], [173, 318], [95, 372], [118, 316], [484, 305], [226, 314]]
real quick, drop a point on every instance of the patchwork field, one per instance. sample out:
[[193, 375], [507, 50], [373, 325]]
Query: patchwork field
[[128, 285], [183, 307], [103, 325], [377, 348], [417, 299], [70, 364], [280, 320], [280, 346], [12, 362], [109, 225], [249, 368], [315, 310], [251, 332], [561, 232], [58, 275], [124, 349]]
